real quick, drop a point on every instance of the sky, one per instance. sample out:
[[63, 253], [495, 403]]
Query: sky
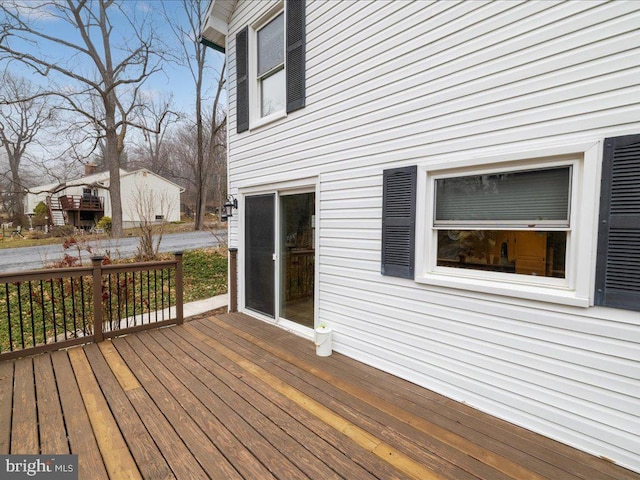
[[173, 79]]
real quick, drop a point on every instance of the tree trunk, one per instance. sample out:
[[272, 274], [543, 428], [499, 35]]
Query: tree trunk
[[201, 208], [112, 156], [200, 186], [17, 194]]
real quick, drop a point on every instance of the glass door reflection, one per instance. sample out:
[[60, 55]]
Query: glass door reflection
[[297, 258]]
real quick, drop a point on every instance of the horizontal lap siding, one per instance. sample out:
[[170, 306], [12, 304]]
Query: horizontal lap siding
[[400, 83]]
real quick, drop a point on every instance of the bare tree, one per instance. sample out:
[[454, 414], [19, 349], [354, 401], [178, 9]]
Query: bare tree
[[150, 209], [106, 70], [23, 116], [157, 115], [214, 164], [184, 169], [195, 58]]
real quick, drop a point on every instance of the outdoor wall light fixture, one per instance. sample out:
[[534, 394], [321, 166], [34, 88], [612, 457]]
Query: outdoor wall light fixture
[[228, 207]]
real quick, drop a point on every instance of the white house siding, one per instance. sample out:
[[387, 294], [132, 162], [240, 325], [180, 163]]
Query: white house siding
[[400, 83], [146, 195]]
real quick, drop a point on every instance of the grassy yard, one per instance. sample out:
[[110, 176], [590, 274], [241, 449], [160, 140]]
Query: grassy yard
[[205, 274]]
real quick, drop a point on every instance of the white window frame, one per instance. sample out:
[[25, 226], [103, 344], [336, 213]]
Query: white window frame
[[255, 100], [576, 288]]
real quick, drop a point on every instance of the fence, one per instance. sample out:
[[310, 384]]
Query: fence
[[45, 310]]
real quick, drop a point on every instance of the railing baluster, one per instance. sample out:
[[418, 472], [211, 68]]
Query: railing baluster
[[126, 294], [169, 286], [20, 314], [119, 300], [162, 290], [53, 313], [179, 289], [33, 319], [155, 292], [83, 310], [110, 298], [6, 289], [44, 320], [64, 309], [149, 295], [73, 307], [133, 284], [141, 298]]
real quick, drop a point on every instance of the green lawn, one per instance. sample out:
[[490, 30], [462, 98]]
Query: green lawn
[[205, 274]]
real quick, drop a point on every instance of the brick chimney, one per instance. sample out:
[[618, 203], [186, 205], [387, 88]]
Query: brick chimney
[[89, 169]]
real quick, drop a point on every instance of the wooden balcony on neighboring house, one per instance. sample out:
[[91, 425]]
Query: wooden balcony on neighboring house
[[231, 397], [92, 203]]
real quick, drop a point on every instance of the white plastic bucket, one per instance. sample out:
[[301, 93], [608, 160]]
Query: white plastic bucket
[[323, 341]]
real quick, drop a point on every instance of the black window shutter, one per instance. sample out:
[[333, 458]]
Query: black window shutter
[[398, 221], [618, 263], [296, 52], [242, 80]]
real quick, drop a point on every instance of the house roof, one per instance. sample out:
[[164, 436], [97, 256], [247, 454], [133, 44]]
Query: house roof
[[216, 21], [94, 179], [100, 179]]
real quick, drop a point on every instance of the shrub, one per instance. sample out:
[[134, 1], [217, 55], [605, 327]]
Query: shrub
[[105, 224], [19, 219], [40, 212], [40, 209], [62, 230]]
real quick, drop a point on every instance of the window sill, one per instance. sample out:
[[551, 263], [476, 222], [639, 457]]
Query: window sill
[[542, 293], [274, 117]]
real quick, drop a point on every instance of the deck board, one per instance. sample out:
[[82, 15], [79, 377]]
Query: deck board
[[119, 462], [152, 407], [232, 397], [250, 451], [146, 453], [270, 407], [24, 427], [212, 431], [82, 442], [50, 419], [6, 405], [374, 421], [396, 415]]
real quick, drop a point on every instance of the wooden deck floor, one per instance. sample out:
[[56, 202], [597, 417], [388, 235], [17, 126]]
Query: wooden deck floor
[[229, 397]]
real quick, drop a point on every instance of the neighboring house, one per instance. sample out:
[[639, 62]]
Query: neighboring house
[[453, 188], [82, 202]]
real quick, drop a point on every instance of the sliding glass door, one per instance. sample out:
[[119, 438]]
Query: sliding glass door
[[259, 273], [285, 254], [297, 257]]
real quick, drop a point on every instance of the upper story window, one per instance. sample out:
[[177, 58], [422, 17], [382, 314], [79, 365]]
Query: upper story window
[[270, 71], [270, 66]]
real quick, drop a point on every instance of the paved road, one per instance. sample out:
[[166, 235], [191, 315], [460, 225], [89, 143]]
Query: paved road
[[31, 258]]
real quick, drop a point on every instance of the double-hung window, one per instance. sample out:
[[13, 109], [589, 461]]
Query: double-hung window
[[270, 63], [505, 221], [511, 225], [270, 57]]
